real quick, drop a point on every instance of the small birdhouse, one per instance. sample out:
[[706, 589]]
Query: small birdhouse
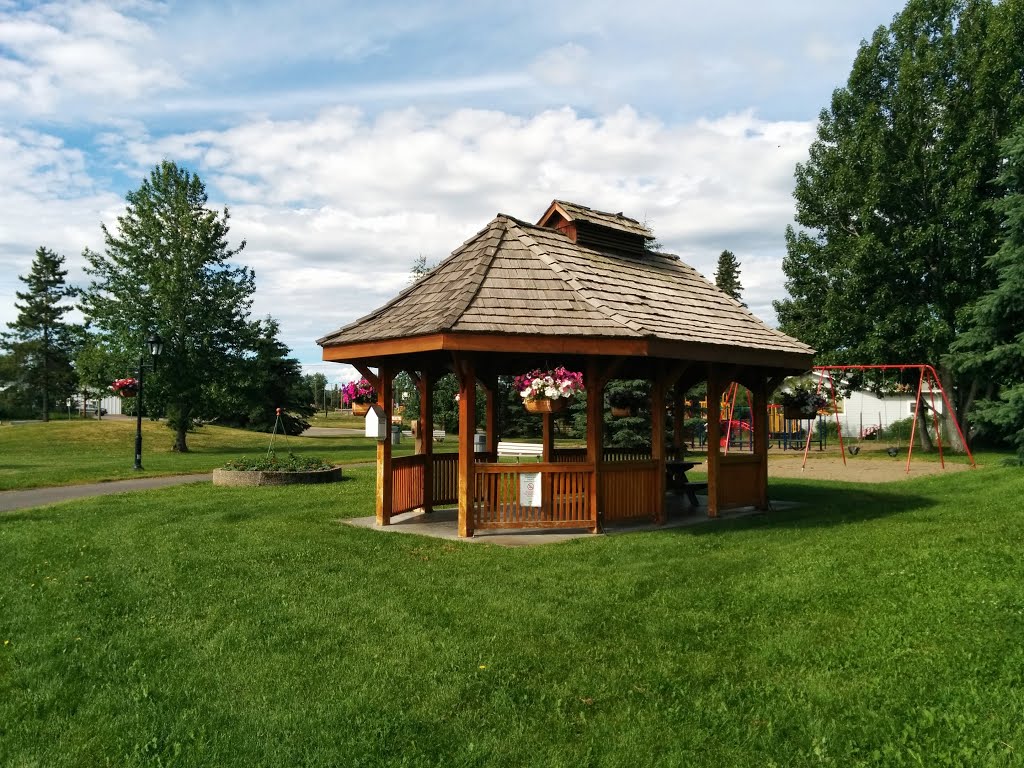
[[376, 423]]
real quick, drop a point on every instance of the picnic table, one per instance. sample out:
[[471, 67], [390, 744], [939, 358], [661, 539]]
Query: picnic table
[[675, 479]]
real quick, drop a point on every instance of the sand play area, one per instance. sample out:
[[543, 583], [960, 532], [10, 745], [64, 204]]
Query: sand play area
[[873, 467]]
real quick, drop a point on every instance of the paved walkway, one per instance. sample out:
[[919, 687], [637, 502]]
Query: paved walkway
[[38, 497]]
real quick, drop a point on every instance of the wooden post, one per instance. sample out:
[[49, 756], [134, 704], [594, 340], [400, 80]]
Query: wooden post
[[594, 384], [547, 440], [385, 478], [426, 446], [678, 421], [759, 416], [658, 445], [715, 385], [491, 388], [467, 427]]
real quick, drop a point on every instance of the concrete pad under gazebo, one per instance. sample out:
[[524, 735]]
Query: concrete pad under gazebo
[[579, 289]]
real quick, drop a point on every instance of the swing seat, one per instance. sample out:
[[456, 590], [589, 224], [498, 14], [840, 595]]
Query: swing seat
[[854, 450], [894, 452]]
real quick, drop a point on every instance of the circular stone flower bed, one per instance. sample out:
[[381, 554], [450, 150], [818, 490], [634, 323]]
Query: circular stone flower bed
[[274, 471]]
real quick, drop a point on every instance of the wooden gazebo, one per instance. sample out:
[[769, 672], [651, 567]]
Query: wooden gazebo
[[581, 289]]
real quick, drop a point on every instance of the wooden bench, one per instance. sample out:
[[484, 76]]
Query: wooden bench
[[507, 448]]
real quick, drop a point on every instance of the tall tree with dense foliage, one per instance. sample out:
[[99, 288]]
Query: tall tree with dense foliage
[[727, 275], [40, 342], [894, 202], [166, 268], [992, 348]]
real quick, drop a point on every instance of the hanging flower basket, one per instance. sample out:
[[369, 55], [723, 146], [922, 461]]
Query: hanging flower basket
[[125, 387], [538, 405], [621, 413], [802, 401], [548, 391], [360, 394]]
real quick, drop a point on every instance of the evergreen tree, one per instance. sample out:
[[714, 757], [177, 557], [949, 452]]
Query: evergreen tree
[[993, 347], [420, 268], [267, 379], [40, 342], [895, 198], [727, 275], [166, 268]]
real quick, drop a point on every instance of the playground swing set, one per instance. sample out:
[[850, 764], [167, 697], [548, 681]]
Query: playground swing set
[[926, 375]]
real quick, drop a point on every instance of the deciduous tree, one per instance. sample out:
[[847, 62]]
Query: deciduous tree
[[167, 268], [894, 202]]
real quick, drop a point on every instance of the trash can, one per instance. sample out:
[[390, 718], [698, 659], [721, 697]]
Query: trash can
[[396, 434], [479, 443]]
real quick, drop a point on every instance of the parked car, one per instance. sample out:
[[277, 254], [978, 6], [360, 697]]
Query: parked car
[[88, 410]]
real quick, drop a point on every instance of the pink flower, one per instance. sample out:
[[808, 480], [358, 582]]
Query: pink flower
[[549, 385]]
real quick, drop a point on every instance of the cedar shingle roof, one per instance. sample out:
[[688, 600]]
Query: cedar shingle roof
[[521, 279]]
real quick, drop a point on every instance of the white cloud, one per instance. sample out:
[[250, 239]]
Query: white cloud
[[335, 209], [74, 53], [350, 138], [566, 65]]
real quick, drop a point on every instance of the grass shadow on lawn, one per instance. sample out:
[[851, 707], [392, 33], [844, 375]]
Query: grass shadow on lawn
[[821, 506]]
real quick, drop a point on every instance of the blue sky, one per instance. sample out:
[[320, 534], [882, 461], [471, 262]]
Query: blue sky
[[349, 138]]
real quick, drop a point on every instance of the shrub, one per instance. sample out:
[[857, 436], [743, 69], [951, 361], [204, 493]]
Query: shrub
[[272, 463]]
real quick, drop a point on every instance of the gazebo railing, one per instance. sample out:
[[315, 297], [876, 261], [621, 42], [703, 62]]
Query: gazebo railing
[[503, 500], [629, 489], [446, 478], [407, 473], [407, 483]]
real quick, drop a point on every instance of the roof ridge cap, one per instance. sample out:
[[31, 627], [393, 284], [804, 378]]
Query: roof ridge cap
[[484, 262], [578, 287]]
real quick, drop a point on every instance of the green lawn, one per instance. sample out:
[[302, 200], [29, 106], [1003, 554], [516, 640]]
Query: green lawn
[[199, 626], [82, 451]]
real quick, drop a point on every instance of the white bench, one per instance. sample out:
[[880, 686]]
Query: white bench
[[507, 448], [439, 434]]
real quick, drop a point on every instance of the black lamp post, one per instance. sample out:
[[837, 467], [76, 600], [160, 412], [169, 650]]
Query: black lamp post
[[156, 346]]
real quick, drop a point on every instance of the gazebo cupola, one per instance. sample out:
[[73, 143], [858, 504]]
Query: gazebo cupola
[[609, 232]]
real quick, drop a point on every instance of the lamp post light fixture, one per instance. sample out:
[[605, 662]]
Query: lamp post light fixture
[[155, 345]]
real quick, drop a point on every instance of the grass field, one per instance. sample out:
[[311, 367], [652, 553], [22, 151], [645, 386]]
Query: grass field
[[874, 626], [82, 451]]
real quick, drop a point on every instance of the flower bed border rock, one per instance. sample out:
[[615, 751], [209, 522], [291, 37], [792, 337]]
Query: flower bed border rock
[[240, 477]]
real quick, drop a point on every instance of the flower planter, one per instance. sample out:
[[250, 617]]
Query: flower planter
[[128, 393], [237, 477], [360, 409], [621, 413], [545, 405]]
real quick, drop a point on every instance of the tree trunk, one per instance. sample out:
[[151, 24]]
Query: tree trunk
[[181, 429], [959, 409], [923, 416], [46, 388]]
